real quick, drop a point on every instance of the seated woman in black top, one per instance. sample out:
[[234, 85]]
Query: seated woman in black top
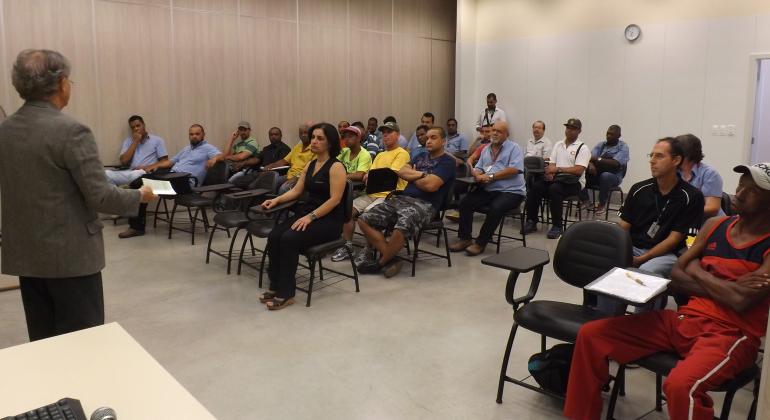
[[317, 220]]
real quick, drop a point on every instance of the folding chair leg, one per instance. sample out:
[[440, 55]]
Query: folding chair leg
[[523, 235], [658, 393], [542, 343], [446, 247], [500, 235], [415, 252], [243, 247], [251, 242], [193, 219], [262, 267], [310, 282], [504, 368], [728, 402], [620, 378], [229, 252], [171, 221], [353, 264], [208, 248]]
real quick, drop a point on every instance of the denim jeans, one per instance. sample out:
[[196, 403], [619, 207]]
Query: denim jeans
[[605, 181]]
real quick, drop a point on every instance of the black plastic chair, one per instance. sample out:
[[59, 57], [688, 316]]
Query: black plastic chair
[[231, 209], [727, 204], [661, 365], [609, 208], [261, 227], [200, 199], [435, 227], [585, 251]]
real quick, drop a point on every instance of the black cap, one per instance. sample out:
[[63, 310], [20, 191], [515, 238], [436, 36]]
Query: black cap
[[574, 123]]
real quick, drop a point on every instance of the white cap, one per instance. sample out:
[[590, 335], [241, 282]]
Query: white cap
[[760, 173]]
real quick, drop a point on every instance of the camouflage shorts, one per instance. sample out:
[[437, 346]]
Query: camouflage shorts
[[407, 214]]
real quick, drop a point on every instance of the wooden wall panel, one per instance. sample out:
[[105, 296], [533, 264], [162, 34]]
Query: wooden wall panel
[[281, 9], [411, 80], [269, 76], [271, 62], [62, 25], [443, 19], [328, 12], [206, 74], [442, 88], [134, 65], [371, 79], [413, 17], [372, 15], [229, 6], [323, 85]]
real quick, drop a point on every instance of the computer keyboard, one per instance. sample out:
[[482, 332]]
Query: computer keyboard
[[64, 409]]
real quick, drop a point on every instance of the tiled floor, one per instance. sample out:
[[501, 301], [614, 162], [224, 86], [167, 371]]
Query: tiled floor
[[427, 347]]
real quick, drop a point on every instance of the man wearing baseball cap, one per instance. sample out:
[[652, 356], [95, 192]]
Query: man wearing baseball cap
[[356, 160], [240, 147], [717, 333], [564, 177]]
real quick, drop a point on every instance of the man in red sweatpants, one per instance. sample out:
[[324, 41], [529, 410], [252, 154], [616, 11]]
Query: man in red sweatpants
[[717, 333]]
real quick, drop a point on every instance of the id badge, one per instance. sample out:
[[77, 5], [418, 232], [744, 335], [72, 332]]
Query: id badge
[[653, 230]]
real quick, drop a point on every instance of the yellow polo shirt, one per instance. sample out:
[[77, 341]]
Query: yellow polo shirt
[[298, 158]]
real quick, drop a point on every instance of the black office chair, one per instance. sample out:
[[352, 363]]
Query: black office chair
[[231, 208], [585, 251], [594, 189], [661, 365], [201, 198], [261, 227], [727, 204]]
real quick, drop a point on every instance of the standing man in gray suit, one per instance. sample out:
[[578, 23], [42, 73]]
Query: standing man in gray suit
[[53, 184]]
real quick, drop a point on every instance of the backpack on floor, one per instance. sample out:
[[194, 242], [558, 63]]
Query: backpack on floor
[[550, 369]]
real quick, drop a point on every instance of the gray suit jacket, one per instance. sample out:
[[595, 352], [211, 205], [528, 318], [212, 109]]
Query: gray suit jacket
[[53, 184]]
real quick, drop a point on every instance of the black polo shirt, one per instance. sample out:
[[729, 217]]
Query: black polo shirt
[[273, 153], [679, 210]]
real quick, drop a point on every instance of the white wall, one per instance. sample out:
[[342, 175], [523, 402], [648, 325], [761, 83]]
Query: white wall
[[683, 74]]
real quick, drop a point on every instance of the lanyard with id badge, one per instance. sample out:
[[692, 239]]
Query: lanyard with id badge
[[655, 226]]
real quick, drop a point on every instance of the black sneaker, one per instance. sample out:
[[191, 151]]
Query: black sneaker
[[555, 232], [529, 227], [369, 267]]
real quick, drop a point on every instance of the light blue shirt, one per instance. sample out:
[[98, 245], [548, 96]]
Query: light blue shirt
[[193, 160], [510, 156], [456, 143], [146, 153], [413, 142], [415, 151], [708, 181], [619, 152], [402, 141]]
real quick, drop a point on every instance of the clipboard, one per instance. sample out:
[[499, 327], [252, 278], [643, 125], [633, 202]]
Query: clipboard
[[381, 180]]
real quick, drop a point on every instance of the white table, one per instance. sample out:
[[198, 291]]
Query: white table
[[101, 366]]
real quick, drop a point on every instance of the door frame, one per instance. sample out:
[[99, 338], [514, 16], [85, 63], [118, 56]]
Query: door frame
[[751, 100]]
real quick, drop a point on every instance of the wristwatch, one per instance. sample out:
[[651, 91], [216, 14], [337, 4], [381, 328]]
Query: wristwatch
[[313, 216], [492, 176]]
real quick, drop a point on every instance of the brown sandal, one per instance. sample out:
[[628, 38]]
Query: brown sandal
[[267, 297], [278, 303]]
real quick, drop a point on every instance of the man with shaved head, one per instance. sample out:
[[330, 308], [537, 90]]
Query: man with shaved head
[[499, 174]]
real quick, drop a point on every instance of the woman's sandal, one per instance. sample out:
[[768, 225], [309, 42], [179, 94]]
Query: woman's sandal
[[278, 303], [267, 297]]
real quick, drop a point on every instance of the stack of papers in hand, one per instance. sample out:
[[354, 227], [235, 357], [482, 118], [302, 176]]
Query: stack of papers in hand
[[159, 187], [630, 286]]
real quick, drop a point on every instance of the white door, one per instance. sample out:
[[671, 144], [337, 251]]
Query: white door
[[760, 140]]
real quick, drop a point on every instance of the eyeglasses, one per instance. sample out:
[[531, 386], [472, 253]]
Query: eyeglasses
[[656, 156]]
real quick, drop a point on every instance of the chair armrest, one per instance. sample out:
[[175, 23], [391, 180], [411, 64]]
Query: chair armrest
[[510, 287], [167, 176], [261, 211], [117, 167], [467, 180], [213, 188], [247, 194]]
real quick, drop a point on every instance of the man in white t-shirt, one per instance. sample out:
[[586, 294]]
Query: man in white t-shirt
[[491, 114], [539, 145], [564, 177]]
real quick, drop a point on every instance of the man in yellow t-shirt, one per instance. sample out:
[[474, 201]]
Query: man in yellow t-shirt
[[393, 157], [297, 159]]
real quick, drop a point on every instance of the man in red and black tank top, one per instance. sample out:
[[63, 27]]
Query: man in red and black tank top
[[717, 333]]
